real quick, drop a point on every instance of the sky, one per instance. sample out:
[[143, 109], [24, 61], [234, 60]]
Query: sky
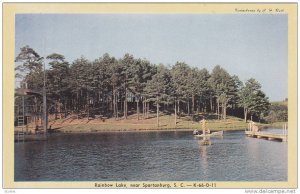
[[246, 45]]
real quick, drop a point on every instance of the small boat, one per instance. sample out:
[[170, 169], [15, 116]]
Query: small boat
[[217, 133]]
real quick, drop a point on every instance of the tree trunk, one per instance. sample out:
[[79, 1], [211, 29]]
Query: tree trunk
[[124, 108], [125, 104], [148, 104], [145, 109], [199, 105], [88, 106], [188, 106], [35, 111], [245, 114], [102, 103], [157, 111], [211, 104], [66, 107], [178, 106], [224, 110], [137, 109], [175, 114], [193, 104], [121, 104], [77, 96], [111, 103], [218, 109], [55, 107], [117, 111], [114, 101], [143, 101]]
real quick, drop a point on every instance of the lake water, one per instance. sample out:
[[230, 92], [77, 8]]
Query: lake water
[[150, 156]]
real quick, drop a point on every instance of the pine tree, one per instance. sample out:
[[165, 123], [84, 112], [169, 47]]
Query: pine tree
[[158, 88], [30, 71], [58, 81]]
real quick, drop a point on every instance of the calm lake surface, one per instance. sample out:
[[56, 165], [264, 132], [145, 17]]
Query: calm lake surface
[[150, 156]]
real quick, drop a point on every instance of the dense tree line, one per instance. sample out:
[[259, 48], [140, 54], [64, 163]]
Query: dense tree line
[[278, 112], [118, 87]]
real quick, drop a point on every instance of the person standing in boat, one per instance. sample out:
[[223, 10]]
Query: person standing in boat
[[204, 129]]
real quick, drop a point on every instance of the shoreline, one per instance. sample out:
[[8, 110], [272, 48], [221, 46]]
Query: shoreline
[[66, 131], [69, 125]]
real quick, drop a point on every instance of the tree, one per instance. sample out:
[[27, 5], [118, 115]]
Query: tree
[[107, 85], [278, 112], [127, 62], [202, 88], [141, 72], [252, 99], [236, 88], [192, 83], [31, 61], [114, 79], [30, 71], [224, 89], [182, 87], [58, 80], [158, 88], [80, 76]]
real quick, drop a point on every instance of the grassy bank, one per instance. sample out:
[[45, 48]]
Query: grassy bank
[[167, 122]]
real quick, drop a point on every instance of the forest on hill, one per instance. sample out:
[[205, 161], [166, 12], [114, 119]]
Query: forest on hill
[[115, 88]]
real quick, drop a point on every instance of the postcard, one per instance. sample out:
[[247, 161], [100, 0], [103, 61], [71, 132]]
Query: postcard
[[150, 95]]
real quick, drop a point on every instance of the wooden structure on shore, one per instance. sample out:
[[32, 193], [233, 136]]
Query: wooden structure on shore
[[24, 114], [253, 131]]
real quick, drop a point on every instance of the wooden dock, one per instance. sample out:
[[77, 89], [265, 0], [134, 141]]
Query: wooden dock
[[267, 135]]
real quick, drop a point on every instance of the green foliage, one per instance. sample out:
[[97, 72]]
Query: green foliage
[[57, 76], [253, 100], [110, 86], [278, 112], [31, 60], [224, 88], [30, 69], [160, 86]]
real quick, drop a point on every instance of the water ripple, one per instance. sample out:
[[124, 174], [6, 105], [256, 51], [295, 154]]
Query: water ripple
[[153, 156]]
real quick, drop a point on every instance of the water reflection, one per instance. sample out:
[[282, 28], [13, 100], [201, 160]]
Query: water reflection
[[203, 154], [153, 156]]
